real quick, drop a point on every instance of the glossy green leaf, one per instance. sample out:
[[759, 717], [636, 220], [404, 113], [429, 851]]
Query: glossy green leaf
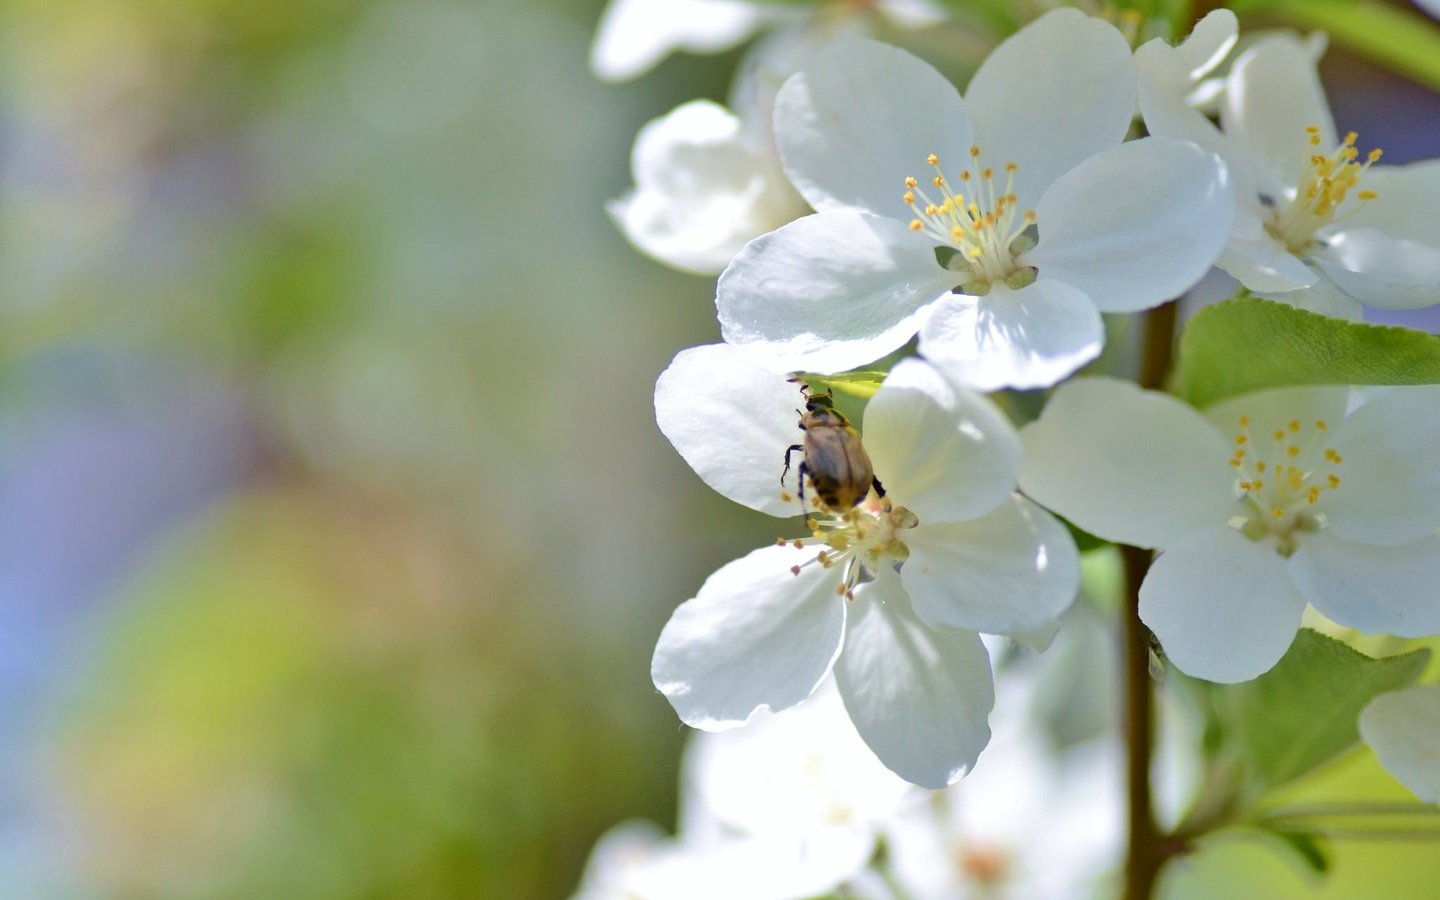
[[1302, 713], [1248, 345]]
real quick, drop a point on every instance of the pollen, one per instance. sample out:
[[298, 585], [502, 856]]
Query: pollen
[[1320, 196], [977, 213], [857, 542], [1293, 500]]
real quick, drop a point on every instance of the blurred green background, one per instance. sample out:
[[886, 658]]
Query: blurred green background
[[336, 531]]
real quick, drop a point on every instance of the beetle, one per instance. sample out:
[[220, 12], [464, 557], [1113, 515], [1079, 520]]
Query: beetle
[[835, 460]]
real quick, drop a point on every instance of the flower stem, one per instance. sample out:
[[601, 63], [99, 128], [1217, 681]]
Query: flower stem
[[1146, 850]]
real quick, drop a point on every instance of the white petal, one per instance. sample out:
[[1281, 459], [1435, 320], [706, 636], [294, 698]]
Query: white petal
[[1210, 41], [732, 422], [1013, 571], [1391, 590], [1128, 465], [1164, 81], [1136, 225], [1390, 475], [918, 696], [1223, 606], [1272, 95], [945, 453], [1273, 410], [1060, 89], [1323, 298], [702, 189], [1263, 264], [1028, 338], [1405, 202], [755, 637], [1381, 270], [860, 118], [829, 292], [634, 35], [1400, 726], [783, 775]]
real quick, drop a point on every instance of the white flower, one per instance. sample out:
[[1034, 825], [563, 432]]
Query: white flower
[[790, 806], [637, 861], [1027, 824], [635, 35], [889, 594], [866, 130], [1313, 210], [1403, 728], [704, 186], [1264, 502]]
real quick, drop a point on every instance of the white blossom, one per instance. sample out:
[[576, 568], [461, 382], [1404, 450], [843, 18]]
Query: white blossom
[[1318, 223], [1259, 505], [926, 203], [890, 594], [705, 184]]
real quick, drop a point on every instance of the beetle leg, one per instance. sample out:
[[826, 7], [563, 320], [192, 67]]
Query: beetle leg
[[800, 483], [792, 448], [879, 488]]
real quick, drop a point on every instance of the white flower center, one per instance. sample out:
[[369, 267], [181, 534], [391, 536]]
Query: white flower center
[[1281, 479], [977, 225], [1324, 185], [859, 539]]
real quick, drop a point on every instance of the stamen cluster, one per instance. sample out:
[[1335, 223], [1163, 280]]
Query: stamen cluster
[[1282, 480], [859, 539], [979, 219], [1324, 185]]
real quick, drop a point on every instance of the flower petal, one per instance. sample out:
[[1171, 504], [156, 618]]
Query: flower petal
[[918, 696], [756, 636], [634, 35], [1012, 571], [1134, 466], [1223, 606], [702, 190], [1400, 726], [945, 453], [829, 292], [1389, 590], [1057, 91], [1272, 95], [1390, 484], [859, 118], [1164, 81], [1405, 202], [732, 422], [1263, 264], [1136, 225], [1324, 298], [1210, 41], [1023, 339], [1274, 409], [1381, 270]]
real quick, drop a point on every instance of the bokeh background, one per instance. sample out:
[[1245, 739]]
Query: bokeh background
[[335, 530]]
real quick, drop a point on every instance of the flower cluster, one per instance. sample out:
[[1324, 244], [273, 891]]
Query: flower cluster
[[995, 228]]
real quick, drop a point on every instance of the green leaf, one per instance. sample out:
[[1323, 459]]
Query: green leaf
[[1302, 713], [1247, 345], [863, 383], [1307, 847]]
